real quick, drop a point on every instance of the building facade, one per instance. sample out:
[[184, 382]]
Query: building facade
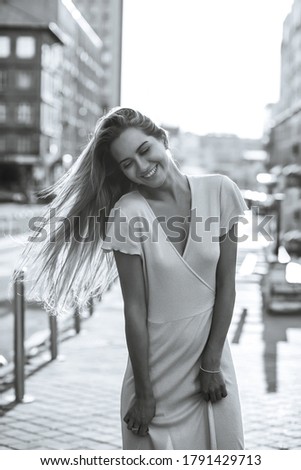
[[105, 17], [51, 90], [238, 158], [283, 140], [30, 104], [283, 132]]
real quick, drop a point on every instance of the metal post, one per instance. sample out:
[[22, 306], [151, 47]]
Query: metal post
[[19, 357], [53, 337], [91, 306], [278, 198], [76, 316], [19, 336], [278, 226]]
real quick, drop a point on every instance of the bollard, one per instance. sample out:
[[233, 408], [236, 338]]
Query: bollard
[[19, 357], [76, 316], [279, 197], [53, 337], [240, 325], [91, 306]]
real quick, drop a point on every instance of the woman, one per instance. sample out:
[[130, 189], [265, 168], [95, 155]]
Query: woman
[[173, 241]]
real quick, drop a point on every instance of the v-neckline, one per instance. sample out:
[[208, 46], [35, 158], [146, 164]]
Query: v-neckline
[[182, 256]]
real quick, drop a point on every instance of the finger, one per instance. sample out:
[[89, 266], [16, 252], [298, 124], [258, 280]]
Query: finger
[[130, 423], [126, 418], [143, 431], [206, 396], [224, 391], [136, 428], [218, 395], [212, 396]]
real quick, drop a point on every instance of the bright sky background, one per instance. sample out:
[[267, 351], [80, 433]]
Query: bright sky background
[[205, 65]]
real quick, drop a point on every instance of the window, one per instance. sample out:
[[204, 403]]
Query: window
[[4, 47], [3, 80], [24, 113], [23, 80], [52, 56], [2, 143], [25, 47], [50, 119], [23, 144], [2, 112]]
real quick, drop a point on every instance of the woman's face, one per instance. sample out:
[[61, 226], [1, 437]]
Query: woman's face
[[142, 158]]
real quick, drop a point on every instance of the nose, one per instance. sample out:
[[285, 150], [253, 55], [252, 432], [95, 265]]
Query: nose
[[143, 167]]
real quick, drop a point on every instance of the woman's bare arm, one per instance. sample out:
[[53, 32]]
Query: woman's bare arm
[[135, 310], [222, 316]]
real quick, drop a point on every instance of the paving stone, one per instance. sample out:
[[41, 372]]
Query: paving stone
[[48, 433], [66, 438], [77, 401], [22, 446]]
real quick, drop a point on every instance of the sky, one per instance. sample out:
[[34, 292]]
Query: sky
[[203, 65]]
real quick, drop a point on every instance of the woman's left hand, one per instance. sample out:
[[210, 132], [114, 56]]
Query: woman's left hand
[[213, 386]]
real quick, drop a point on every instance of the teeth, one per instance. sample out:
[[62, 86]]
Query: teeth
[[151, 173]]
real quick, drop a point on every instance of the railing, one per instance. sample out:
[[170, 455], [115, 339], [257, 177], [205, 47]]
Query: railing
[[19, 337]]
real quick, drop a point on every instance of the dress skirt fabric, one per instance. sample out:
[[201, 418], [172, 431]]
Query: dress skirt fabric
[[180, 299]]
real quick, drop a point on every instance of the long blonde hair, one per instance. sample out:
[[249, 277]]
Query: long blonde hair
[[66, 266]]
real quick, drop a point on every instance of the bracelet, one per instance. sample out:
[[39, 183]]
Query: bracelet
[[210, 371]]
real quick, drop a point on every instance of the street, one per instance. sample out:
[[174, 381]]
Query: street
[[266, 350], [75, 82], [250, 266]]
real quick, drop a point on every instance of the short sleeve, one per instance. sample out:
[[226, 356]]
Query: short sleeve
[[232, 204], [120, 235]]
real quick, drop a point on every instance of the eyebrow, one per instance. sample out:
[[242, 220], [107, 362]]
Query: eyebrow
[[137, 150]]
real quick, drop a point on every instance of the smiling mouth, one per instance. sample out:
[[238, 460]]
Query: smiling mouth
[[151, 172]]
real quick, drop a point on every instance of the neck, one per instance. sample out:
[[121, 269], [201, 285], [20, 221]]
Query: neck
[[174, 185]]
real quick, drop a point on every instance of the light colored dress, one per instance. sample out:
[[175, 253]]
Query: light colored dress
[[180, 299]]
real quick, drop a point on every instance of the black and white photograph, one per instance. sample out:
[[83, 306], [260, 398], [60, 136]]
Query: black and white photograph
[[150, 228]]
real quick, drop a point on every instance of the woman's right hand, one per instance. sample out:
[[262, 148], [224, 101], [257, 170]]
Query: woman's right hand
[[140, 415], [213, 386]]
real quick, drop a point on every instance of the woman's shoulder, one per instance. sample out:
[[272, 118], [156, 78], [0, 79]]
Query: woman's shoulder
[[129, 203], [210, 180]]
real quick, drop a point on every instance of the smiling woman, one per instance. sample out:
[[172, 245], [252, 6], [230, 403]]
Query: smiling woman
[[179, 390], [139, 158]]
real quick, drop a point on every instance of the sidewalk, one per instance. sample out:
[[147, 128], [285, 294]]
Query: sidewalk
[[77, 399]]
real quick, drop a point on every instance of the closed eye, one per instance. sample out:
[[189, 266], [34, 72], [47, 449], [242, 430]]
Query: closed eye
[[144, 151]]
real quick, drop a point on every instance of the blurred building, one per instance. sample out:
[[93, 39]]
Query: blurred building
[[185, 148], [190, 150], [27, 121], [105, 17], [283, 129], [51, 90], [283, 133], [240, 159]]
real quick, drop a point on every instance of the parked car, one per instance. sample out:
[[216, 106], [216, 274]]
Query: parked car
[[11, 196], [292, 242], [281, 286]]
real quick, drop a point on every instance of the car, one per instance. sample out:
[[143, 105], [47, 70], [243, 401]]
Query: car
[[281, 286], [292, 242], [11, 196]]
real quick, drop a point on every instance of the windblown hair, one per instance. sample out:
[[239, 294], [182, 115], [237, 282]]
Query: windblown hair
[[65, 267]]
